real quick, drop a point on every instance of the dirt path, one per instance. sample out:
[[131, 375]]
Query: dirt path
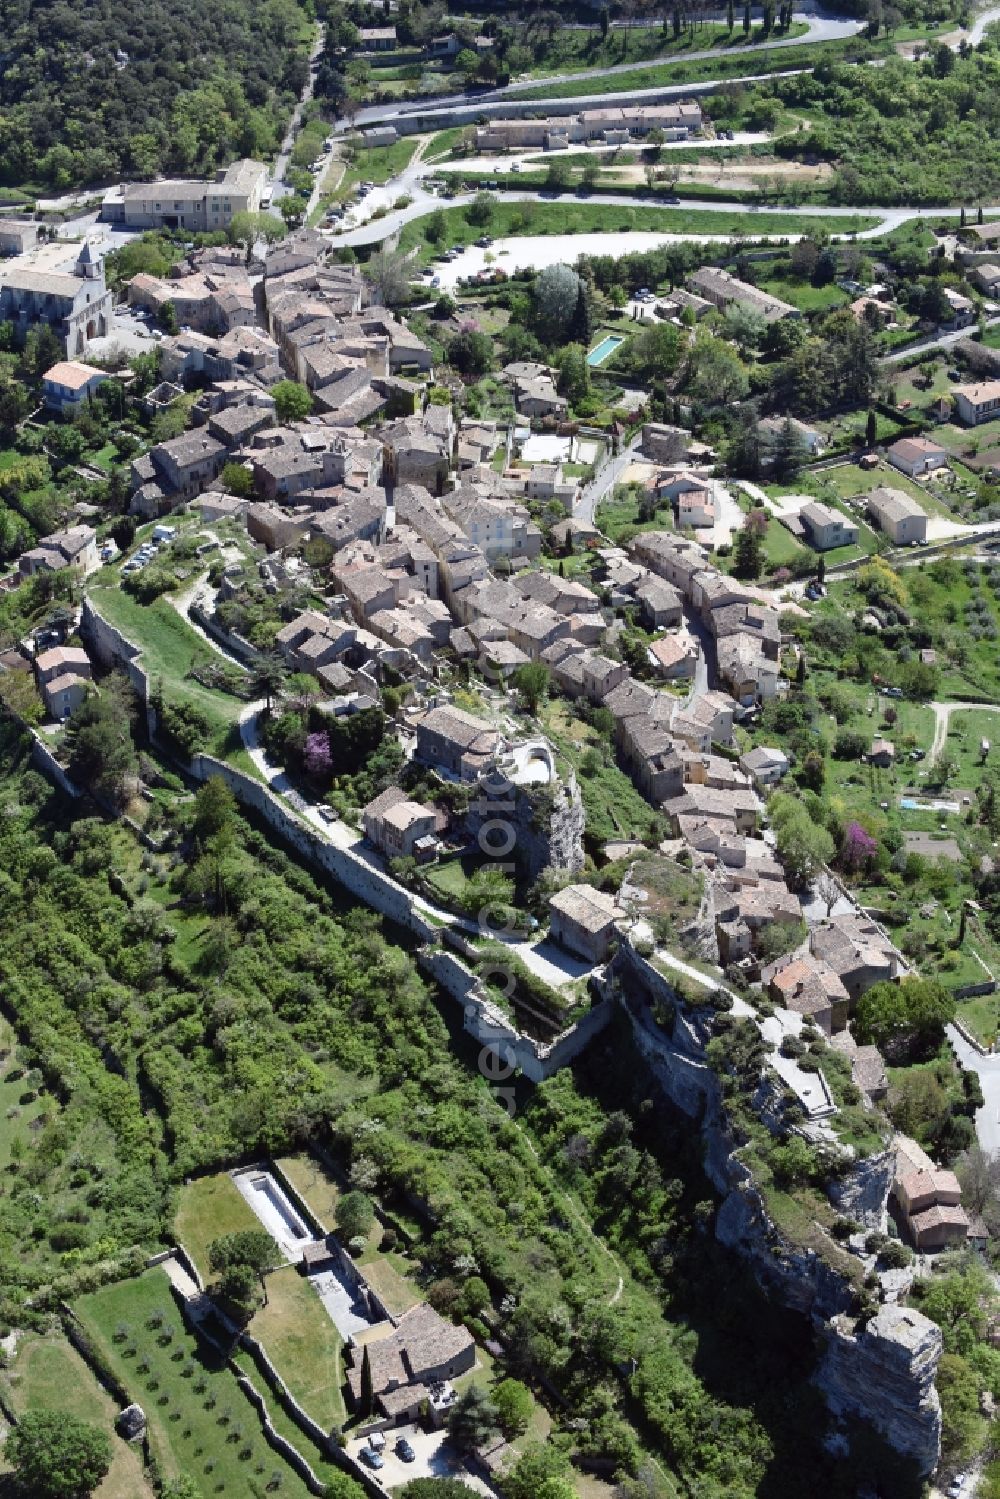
[[942, 718]]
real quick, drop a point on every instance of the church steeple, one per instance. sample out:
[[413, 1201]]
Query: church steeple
[[89, 264]]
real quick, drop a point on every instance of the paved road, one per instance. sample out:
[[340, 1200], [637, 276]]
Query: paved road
[[425, 203], [821, 28], [604, 481], [937, 340], [988, 1072]]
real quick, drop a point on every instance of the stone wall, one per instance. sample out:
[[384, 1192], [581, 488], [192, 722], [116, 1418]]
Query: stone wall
[[231, 641], [110, 648], [44, 760], [355, 873], [490, 1027]]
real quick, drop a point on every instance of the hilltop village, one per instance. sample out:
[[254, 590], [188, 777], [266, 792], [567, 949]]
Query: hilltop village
[[624, 717]]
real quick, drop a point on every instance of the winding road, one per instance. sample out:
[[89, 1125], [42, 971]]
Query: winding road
[[942, 718]]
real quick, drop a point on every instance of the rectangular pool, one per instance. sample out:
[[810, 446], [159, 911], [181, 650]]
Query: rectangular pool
[[604, 350]]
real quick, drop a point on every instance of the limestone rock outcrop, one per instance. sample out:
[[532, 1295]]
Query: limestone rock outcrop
[[883, 1372]]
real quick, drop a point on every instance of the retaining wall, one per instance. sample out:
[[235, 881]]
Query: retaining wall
[[362, 879], [231, 641], [44, 760], [112, 648]]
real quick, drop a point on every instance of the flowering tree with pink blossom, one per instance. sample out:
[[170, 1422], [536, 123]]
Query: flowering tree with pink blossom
[[316, 756], [858, 848]]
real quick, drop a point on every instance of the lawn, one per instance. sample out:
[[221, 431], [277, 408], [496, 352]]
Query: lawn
[[48, 1374], [578, 51], [170, 648], [207, 1208], [200, 1422], [966, 730], [303, 1344], [317, 1188], [805, 296], [450, 877], [570, 217], [620, 514]]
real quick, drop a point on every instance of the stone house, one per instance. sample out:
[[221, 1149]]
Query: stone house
[[979, 402], [826, 528], [75, 547], [584, 920], [69, 385], [398, 827], [68, 294], [451, 740], [898, 515], [63, 675], [422, 1350], [659, 602]]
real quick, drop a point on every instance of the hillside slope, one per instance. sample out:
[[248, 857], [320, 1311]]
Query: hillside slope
[[201, 84]]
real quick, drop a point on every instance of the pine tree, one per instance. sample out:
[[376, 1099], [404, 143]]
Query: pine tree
[[580, 327], [800, 670], [821, 569], [730, 15], [747, 21], [789, 451], [871, 431]]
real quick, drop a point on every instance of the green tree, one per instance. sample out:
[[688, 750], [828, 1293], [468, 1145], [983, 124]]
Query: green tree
[[292, 401], [480, 211], [389, 274], [911, 1014], [803, 845], [574, 373], [514, 1406], [250, 1247], [532, 681], [556, 291], [238, 480], [748, 550], [166, 316], [99, 740], [247, 228], [215, 809], [55, 1456], [268, 680], [435, 227], [538, 1464], [355, 1215], [367, 1400], [437, 1488], [788, 451], [473, 1419]]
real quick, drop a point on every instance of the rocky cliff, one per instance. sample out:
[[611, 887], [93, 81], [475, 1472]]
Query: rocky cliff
[[548, 822], [899, 1349], [883, 1372]]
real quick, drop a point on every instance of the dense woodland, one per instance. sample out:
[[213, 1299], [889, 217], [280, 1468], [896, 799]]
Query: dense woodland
[[93, 92]]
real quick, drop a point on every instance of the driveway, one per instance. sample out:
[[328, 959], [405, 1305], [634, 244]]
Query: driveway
[[436, 1458]]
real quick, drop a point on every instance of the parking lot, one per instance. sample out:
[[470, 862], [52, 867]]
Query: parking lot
[[435, 1458]]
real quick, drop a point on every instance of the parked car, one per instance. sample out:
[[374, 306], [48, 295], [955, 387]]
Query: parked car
[[372, 1459], [376, 1441], [405, 1451], [515, 166]]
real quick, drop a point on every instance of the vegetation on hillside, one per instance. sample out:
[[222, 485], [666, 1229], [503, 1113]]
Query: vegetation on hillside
[[91, 93]]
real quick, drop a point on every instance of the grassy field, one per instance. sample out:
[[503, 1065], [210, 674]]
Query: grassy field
[[200, 1422], [48, 1374], [17, 1118], [377, 164], [728, 64], [314, 1184], [207, 1208], [303, 1344], [170, 648], [578, 51], [568, 217]]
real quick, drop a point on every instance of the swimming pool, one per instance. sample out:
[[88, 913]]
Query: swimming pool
[[933, 804], [604, 350]]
